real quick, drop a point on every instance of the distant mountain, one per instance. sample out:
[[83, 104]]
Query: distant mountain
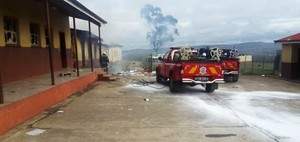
[[136, 54], [251, 48]]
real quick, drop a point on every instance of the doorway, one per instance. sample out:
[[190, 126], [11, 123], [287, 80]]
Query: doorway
[[63, 50], [298, 65]]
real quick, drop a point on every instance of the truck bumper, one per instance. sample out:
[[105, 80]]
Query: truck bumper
[[188, 80], [231, 72]]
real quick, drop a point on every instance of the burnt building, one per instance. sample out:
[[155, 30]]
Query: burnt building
[[30, 28]]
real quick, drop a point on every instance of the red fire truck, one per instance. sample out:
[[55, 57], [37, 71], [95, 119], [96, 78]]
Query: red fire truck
[[230, 64], [193, 67]]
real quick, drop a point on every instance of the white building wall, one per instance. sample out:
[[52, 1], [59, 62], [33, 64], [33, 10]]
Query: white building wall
[[114, 53]]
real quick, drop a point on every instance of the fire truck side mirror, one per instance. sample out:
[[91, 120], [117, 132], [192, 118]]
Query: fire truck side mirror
[[159, 58]]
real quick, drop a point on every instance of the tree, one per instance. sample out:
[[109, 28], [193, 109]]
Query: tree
[[162, 28]]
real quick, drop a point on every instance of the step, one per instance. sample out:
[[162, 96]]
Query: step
[[106, 77]]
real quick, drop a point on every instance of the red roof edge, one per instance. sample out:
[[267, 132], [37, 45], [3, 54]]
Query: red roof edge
[[291, 38]]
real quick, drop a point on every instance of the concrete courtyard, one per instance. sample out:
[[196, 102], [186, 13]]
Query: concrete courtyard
[[254, 109]]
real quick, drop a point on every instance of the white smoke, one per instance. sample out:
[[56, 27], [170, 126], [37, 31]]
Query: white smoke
[[162, 28]]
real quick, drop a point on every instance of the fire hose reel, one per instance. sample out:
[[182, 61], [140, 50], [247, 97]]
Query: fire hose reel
[[215, 53], [185, 53], [234, 53]]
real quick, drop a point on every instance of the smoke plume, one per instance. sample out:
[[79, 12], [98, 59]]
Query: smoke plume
[[162, 28]]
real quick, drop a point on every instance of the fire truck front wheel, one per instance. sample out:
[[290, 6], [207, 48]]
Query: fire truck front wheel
[[158, 77]]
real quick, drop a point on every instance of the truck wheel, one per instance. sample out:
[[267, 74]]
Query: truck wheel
[[226, 78], [158, 77], [210, 88], [235, 78], [173, 85]]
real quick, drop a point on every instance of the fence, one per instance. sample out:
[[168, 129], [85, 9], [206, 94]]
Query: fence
[[263, 65]]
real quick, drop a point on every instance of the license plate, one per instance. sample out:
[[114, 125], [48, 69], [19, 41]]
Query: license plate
[[201, 78]]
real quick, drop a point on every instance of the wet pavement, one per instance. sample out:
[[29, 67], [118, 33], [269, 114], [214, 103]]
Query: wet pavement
[[254, 109]]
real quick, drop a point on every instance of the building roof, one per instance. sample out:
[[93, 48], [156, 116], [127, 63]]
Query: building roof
[[116, 45], [290, 39], [73, 8], [85, 34], [112, 45]]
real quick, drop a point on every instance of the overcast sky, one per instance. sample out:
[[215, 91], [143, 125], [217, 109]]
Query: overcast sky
[[199, 21]]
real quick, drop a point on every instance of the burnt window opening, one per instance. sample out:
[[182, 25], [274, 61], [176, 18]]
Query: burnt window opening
[[10, 30], [34, 35]]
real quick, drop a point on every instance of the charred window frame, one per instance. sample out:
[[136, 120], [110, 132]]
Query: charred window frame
[[35, 35], [10, 30]]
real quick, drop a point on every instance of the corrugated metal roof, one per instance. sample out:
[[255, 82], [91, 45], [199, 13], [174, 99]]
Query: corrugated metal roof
[[85, 10], [74, 8], [289, 39]]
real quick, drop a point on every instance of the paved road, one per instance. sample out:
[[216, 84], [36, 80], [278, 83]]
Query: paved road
[[254, 109]]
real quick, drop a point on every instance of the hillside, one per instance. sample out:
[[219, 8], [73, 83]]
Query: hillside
[[252, 48]]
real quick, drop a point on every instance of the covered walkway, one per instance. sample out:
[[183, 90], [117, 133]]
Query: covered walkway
[[27, 98]]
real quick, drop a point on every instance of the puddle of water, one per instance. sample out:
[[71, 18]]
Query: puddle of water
[[35, 132], [278, 123]]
